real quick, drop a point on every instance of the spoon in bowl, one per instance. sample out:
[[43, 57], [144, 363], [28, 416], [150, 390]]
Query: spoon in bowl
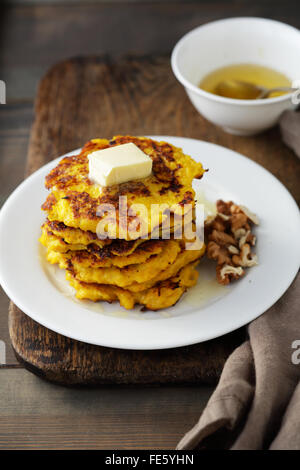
[[247, 91]]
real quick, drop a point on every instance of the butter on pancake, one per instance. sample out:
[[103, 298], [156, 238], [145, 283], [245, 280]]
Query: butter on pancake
[[119, 164]]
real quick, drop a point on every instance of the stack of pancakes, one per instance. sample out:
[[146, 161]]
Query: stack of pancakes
[[146, 260]]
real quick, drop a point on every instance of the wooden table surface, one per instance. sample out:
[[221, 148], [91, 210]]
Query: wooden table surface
[[33, 413]]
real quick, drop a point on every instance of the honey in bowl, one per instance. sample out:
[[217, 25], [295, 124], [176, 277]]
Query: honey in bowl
[[247, 73]]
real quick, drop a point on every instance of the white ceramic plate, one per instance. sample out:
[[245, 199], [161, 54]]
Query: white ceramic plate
[[204, 312]]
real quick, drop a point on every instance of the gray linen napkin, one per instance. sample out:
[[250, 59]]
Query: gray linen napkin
[[256, 404]]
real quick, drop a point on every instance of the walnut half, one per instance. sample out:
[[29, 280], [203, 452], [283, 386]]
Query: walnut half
[[227, 273]]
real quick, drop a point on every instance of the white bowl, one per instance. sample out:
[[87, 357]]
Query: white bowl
[[234, 41]]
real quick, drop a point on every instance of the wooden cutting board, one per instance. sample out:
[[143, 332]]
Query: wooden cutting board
[[85, 98]]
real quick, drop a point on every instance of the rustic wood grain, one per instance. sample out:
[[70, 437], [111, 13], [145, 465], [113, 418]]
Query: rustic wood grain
[[84, 98], [39, 415], [15, 123]]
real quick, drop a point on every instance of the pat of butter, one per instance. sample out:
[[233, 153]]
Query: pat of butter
[[118, 164]]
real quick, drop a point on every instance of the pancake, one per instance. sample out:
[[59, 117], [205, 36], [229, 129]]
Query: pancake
[[66, 238], [57, 243], [120, 276], [74, 236], [75, 200], [184, 258], [162, 295], [92, 257], [93, 275]]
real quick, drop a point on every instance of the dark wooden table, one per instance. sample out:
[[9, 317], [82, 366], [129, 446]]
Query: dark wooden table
[[33, 413]]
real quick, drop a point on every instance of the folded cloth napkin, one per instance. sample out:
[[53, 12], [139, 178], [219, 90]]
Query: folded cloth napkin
[[289, 124], [256, 404]]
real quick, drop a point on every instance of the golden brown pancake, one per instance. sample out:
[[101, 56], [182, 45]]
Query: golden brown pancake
[[75, 200], [55, 242], [163, 295], [94, 257], [125, 275], [72, 235], [138, 282]]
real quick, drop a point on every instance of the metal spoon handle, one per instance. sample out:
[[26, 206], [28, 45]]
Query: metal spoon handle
[[267, 92]]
